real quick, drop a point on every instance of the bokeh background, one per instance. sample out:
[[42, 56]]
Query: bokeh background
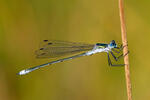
[[25, 23]]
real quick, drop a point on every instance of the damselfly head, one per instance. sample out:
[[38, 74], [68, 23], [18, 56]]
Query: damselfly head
[[113, 44]]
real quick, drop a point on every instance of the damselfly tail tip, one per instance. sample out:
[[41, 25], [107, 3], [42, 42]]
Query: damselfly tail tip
[[23, 72]]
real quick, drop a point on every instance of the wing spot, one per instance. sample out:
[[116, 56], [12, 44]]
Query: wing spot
[[49, 43], [45, 40], [41, 48]]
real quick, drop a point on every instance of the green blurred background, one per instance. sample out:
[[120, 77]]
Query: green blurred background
[[25, 23]]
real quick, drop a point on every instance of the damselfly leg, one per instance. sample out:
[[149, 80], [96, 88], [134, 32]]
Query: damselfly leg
[[116, 58], [110, 62], [119, 48]]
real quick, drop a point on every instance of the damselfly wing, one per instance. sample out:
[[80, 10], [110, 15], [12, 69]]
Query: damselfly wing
[[55, 48]]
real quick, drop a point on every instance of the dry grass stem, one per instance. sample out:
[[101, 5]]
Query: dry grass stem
[[125, 50]]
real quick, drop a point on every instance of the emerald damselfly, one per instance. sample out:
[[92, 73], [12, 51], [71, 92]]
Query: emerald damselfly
[[51, 49]]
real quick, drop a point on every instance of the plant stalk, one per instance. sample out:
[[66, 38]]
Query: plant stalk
[[125, 50]]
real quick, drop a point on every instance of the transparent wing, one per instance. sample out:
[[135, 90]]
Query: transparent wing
[[54, 48]]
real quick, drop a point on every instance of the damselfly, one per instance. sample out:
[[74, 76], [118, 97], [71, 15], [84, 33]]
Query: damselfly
[[52, 49]]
